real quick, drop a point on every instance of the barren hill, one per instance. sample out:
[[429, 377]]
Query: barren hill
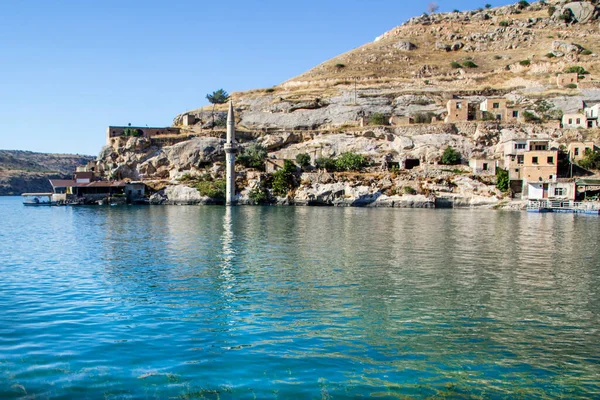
[[26, 171], [387, 101]]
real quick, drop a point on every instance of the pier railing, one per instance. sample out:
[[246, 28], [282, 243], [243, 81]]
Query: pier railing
[[564, 205]]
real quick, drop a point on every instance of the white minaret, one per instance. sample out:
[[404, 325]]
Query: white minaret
[[230, 149]]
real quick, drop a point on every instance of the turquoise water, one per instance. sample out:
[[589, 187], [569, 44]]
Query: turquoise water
[[272, 303]]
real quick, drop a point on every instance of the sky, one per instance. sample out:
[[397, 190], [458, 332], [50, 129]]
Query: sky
[[69, 69]]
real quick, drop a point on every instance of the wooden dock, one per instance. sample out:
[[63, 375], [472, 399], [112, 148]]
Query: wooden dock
[[557, 206]]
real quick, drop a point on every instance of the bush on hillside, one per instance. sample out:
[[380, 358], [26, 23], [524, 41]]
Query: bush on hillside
[[303, 160], [502, 179], [253, 156], [450, 157], [378, 119], [591, 159]]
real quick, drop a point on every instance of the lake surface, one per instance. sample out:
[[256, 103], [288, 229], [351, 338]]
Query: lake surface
[[281, 302]]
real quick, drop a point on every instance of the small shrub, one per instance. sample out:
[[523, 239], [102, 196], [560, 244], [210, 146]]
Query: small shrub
[[571, 86], [575, 69], [409, 190], [502, 179], [253, 156], [497, 57], [530, 117], [551, 11], [586, 52], [259, 195], [213, 189], [454, 64], [525, 63], [550, 55], [303, 160], [469, 64], [132, 132], [488, 6], [340, 66], [378, 119], [455, 11], [522, 4], [423, 118], [566, 17], [488, 116], [504, 23], [270, 90], [326, 163], [591, 160], [450, 157], [351, 162]]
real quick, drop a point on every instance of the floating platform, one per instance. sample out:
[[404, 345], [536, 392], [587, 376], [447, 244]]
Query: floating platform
[[570, 207]]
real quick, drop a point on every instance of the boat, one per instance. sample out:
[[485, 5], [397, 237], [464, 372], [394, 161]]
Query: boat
[[38, 199]]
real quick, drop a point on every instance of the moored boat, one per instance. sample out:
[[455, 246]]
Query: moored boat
[[38, 199]]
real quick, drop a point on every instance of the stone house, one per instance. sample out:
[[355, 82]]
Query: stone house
[[483, 166], [514, 158], [496, 107], [562, 80], [458, 110], [189, 120], [540, 166], [576, 150], [147, 132], [396, 120], [574, 121]]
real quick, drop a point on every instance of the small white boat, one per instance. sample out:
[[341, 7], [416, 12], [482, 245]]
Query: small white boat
[[38, 199]]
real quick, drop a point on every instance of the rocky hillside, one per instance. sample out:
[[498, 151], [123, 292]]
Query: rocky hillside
[[26, 171], [411, 71]]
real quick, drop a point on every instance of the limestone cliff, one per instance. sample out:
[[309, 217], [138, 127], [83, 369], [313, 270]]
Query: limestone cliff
[[405, 76]]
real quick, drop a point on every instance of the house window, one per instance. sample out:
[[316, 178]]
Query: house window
[[540, 147], [498, 117], [520, 159], [534, 160], [496, 105], [570, 121], [576, 151], [520, 146], [578, 121], [559, 191], [515, 114], [517, 170], [549, 177], [485, 166], [459, 105], [550, 160]]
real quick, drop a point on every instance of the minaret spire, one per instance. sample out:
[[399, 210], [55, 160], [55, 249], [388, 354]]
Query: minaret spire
[[230, 149]]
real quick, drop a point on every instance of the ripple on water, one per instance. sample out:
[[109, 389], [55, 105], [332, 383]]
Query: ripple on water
[[193, 302]]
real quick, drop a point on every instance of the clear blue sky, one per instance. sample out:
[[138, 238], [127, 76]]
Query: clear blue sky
[[71, 68]]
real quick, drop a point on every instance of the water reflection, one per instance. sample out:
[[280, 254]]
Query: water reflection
[[246, 301]]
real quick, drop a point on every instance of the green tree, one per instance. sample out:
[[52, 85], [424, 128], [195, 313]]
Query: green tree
[[450, 156], [378, 119], [253, 156], [284, 179], [590, 160], [303, 160], [326, 163], [217, 97], [502, 179], [351, 162], [259, 195]]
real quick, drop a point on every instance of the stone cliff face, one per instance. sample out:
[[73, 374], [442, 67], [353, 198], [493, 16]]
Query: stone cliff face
[[407, 75]]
